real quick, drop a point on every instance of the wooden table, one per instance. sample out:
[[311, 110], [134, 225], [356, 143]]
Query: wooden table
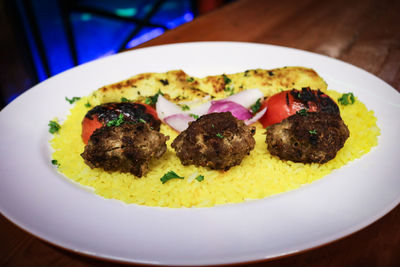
[[365, 33]]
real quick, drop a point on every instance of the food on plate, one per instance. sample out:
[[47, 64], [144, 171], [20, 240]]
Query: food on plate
[[309, 137], [216, 140], [241, 105], [109, 113], [303, 126], [165, 181], [181, 87], [287, 103], [127, 147]]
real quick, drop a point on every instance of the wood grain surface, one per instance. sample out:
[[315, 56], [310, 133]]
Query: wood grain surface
[[365, 33]]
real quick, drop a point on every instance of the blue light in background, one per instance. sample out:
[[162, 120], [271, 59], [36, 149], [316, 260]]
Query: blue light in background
[[188, 16], [145, 37], [97, 36]]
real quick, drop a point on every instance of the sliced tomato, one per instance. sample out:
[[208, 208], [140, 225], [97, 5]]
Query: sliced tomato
[[150, 110], [282, 105], [88, 127]]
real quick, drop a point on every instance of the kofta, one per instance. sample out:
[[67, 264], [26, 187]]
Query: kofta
[[110, 113], [307, 137], [126, 148], [216, 140]]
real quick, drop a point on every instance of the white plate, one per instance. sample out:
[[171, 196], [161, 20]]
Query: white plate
[[42, 202]]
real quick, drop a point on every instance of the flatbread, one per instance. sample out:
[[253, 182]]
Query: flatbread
[[179, 86]]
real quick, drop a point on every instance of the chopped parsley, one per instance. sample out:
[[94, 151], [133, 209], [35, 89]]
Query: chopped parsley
[[142, 120], [190, 79], [55, 162], [194, 116], [185, 107], [170, 175], [116, 122], [229, 89], [200, 178], [219, 135], [313, 131], [72, 100], [54, 127], [246, 73], [346, 99], [226, 79], [88, 105], [152, 100], [302, 112], [124, 99], [256, 106]]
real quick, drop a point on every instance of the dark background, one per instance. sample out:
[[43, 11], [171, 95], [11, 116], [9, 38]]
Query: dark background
[[40, 38]]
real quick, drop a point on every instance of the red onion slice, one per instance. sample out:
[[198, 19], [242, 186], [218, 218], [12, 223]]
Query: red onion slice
[[256, 117], [179, 122], [246, 98], [166, 108], [238, 111]]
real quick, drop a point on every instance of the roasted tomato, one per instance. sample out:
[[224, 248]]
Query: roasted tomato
[[102, 115], [287, 103], [150, 110]]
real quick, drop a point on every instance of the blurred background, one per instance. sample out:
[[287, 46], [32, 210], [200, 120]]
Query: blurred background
[[40, 38]]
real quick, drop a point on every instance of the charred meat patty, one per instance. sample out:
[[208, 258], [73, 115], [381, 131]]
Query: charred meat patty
[[134, 112], [108, 113], [125, 148], [217, 140], [311, 137]]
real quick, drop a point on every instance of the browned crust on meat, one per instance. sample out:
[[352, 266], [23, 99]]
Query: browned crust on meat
[[217, 140], [316, 137], [125, 148]]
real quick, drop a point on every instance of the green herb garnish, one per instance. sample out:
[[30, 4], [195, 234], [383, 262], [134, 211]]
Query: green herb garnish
[[116, 122], [142, 120], [194, 116], [313, 131], [256, 106], [152, 100], [185, 107], [88, 105], [170, 175], [346, 99], [302, 112], [200, 178], [55, 162], [219, 135], [124, 99], [226, 79], [54, 127], [190, 79], [229, 89], [72, 100]]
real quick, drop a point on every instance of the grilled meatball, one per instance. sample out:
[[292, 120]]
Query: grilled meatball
[[216, 140], [134, 112], [124, 148], [313, 137]]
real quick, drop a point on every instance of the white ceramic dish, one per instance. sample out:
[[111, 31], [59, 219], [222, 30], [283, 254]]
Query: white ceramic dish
[[36, 198]]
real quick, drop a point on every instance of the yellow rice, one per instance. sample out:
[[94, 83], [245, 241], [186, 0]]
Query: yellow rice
[[260, 175]]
